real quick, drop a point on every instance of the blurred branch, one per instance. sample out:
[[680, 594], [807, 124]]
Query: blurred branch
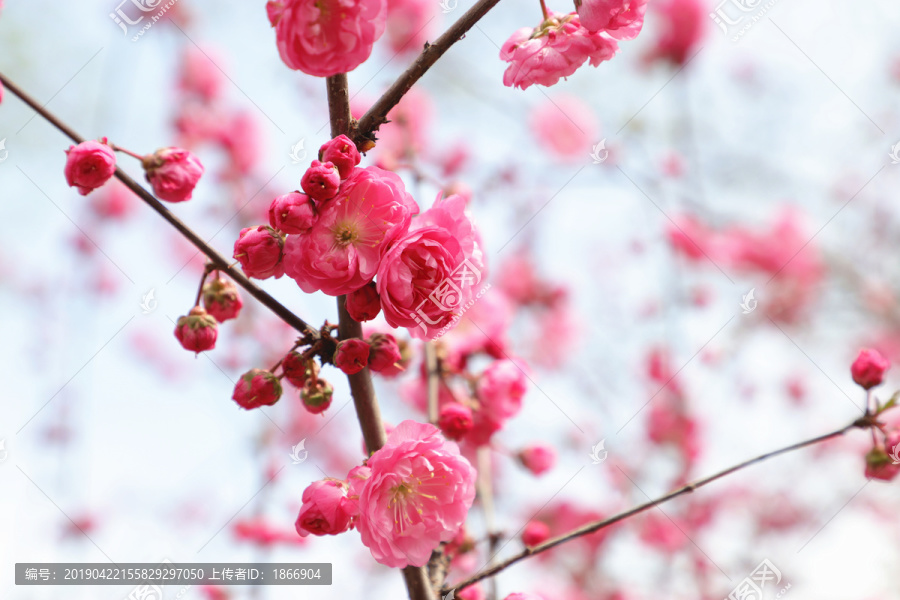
[[867, 421], [376, 116], [220, 262], [361, 389], [434, 381]]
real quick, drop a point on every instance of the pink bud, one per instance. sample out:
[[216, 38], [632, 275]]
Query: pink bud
[[292, 213], [255, 388], [259, 250], [298, 370], [221, 299], [321, 181], [326, 509], [316, 395], [351, 355], [342, 152], [868, 368], [364, 304], [455, 420], [173, 173], [537, 458], [384, 352], [536, 532], [89, 165], [197, 331]]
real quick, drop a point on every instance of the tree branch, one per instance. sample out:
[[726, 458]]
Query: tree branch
[[376, 116], [361, 389], [863, 423], [218, 260]]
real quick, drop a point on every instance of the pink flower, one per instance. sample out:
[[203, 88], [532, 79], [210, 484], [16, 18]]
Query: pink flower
[[197, 331], [351, 356], [440, 243], [537, 458], [342, 152], [417, 496], [409, 24], [297, 369], [364, 304], [221, 299], [326, 509], [554, 49], [682, 28], [89, 165], [566, 125], [321, 181], [622, 19], [292, 213], [455, 420], [342, 251], [326, 37], [384, 352], [868, 368], [536, 532], [115, 202], [255, 388], [259, 250], [173, 173], [199, 74], [500, 390]]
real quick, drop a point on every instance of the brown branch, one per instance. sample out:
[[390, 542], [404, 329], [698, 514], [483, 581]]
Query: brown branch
[[434, 381], [376, 116], [361, 389], [218, 260], [862, 423]]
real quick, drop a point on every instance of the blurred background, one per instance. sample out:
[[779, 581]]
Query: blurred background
[[688, 246]]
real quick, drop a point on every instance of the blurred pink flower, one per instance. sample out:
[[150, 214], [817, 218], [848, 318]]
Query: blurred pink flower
[[682, 28], [410, 23], [566, 126]]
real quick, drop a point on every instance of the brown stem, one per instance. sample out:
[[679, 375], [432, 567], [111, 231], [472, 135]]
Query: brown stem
[[361, 389], [434, 381], [598, 525], [219, 261], [376, 116], [207, 269]]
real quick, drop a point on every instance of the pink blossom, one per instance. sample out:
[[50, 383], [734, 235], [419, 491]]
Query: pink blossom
[[417, 496], [89, 165], [292, 213], [259, 250], [321, 181], [326, 37], [199, 73], [326, 509], [342, 251], [683, 26], [565, 125], [173, 173], [197, 331], [439, 243], [241, 137], [351, 356], [501, 388], [384, 353], [406, 135], [115, 201], [538, 458], [364, 304], [342, 152], [255, 388], [554, 49], [455, 420], [622, 19], [868, 368], [221, 299], [410, 23], [536, 532]]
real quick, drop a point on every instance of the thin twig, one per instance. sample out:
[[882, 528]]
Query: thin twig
[[862, 423], [434, 381], [376, 116], [219, 261]]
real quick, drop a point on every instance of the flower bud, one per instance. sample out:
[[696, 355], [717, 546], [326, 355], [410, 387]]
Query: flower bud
[[255, 388], [868, 368], [537, 458], [384, 352], [89, 165], [197, 331], [341, 152], [297, 369], [173, 173], [316, 395], [364, 303], [221, 299], [351, 356], [259, 250], [292, 213], [321, 181], [536, 532], [455, 420]]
